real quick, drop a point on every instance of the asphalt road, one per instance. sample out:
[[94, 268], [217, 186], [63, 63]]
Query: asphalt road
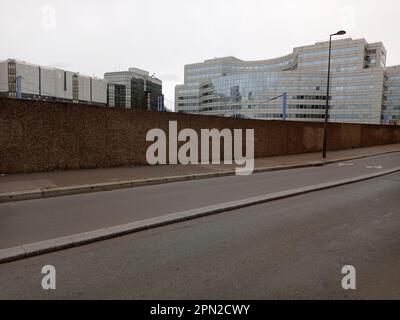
[[292, 248], [34, 220]]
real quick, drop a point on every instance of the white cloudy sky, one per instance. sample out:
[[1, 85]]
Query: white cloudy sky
[[95, 36]]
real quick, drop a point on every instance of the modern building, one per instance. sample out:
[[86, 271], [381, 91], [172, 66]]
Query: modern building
[[134, 88], [24, 80], [391, 102], [293, 87]]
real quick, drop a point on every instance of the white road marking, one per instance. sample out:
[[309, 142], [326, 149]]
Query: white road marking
[[375, 167], [341, 164]]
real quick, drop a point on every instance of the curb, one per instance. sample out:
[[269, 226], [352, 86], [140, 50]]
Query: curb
[[109, 186], [42, 247], [359, 157]]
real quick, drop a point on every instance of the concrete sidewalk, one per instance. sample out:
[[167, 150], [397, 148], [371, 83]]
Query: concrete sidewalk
[[45, 184]]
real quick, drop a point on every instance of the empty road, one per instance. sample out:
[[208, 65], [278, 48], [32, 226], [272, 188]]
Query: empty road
[[291, 248], [35, 220]]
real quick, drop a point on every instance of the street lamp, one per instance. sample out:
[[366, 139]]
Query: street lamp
[[339, 33]]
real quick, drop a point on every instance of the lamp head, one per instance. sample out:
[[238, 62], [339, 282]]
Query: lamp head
[[340, 33]]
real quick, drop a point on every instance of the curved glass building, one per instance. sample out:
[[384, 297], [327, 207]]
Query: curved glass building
[[293, 87]]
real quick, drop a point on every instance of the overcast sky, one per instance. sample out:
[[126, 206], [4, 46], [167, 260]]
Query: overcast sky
[[161, 36]]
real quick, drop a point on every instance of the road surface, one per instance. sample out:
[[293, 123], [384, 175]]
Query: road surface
[[292, 248], [42, 219]]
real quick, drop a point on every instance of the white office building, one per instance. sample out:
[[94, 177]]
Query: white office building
[[363, 89], [24, 80]]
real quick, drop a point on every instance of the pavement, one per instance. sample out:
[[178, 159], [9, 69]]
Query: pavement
[[35, 227], [46, 184], [293, 248]]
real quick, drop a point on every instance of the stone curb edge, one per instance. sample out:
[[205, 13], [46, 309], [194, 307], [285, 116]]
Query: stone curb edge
[[109, 186], [46, 246]]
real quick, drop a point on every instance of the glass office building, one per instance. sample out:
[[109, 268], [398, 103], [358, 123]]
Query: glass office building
[[391, 103], [363, 90], [134, 88]]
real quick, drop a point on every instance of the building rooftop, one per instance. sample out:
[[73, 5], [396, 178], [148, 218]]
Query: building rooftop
[[34, 65]]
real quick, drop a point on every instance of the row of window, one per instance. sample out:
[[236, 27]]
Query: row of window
[[295, 88], [342, 69], [238, 67], [338, 69], [308, 97], [392, 78], [353, 108], [326, 52], [393, 88], [188, 104], [307, 106], [354, 78], [349, 116], [187, 111], [203, 68], [188, 97], [351, 88], [203, 76], [393, 97], [208, 101], [350, 106], [273, 76], [325, 61], [188, 91], [318, 88], [268, 115], [302, 97], [204, 94], [268, 76], [352, 97], [217, 108], [306, 116], [335, 107], [206, 69], [302, 106], [392, 108], [294, 116]]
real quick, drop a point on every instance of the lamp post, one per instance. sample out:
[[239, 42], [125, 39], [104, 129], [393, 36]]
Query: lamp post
[[339, 33]]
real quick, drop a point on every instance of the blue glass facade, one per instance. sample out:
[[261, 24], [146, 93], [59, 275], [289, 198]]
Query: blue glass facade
[[229, 86]]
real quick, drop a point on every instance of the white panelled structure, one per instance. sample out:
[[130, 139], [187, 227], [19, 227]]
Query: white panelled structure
[[3, 77], [45, 83]]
